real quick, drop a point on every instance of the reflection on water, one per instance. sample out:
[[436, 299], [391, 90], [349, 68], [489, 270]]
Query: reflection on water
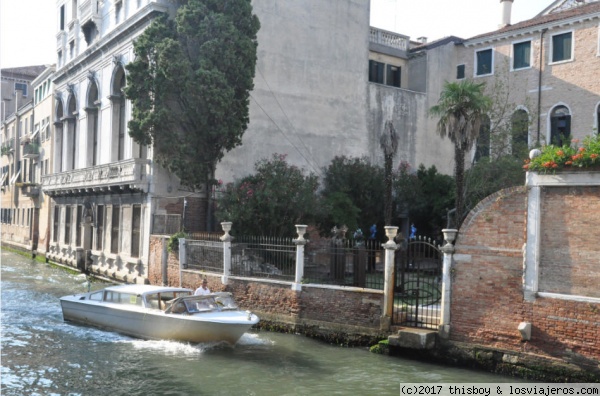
[[42, 355]]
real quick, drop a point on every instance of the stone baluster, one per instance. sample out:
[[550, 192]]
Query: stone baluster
[[299, 242], [226, 238], [388, 281], [448, 251]]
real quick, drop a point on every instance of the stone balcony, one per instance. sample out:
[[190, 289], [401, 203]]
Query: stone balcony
[[128, 175]]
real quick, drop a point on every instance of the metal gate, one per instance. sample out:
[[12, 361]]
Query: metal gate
[[418, 284]]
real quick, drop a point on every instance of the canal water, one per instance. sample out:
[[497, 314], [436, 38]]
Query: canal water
[[42, 355]]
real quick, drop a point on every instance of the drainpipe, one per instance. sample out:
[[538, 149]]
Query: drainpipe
[[540, 83]]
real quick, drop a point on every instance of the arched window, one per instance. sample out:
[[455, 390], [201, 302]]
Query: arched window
[[560, 126], [482, 149], [58, 137], [93, 121], [72, 126], [119, 123], [520, 133]]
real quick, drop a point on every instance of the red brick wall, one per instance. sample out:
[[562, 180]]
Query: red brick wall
[[570, 257], [487, 290], [278, 301]]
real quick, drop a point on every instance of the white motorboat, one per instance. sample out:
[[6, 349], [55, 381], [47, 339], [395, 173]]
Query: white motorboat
[[160, 313]]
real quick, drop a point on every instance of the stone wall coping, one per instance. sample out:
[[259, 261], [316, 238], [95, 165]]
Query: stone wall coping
[[563, 179]]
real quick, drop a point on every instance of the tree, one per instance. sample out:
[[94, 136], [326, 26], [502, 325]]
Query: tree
[[425, 196], [190, 84], [389, 145], [460, 109], [352, 192], [271, 201]]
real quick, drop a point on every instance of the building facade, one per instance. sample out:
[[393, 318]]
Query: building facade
[[19, 179], [104, 189], [546, 69]]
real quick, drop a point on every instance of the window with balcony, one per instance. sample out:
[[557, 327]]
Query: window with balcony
[[521, 55], [72, 132], [560, 126], [114, 231], [562, 47], [93, 121], [484, 62]]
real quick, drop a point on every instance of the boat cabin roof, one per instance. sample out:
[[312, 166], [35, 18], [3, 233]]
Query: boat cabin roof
[[145, 289]]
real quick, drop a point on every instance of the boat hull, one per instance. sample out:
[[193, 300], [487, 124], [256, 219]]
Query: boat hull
[[157, 325]]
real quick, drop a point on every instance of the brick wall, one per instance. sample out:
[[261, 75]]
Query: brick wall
[[487, 290], [570, 261], [347, 310]]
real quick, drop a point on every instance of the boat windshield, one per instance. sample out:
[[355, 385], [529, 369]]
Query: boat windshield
[[160, 300], [206, 303]]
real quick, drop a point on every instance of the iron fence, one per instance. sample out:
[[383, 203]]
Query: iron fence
[[166, 224], [204, 255], [263, 257], [345, 262]]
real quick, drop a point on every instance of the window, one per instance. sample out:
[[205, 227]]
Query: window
[[21, 87], [393, 76], [484, 62], [460, 72], [114, 232], [79, 225], [99, 226], [520, 133], [56, 221], [560, 126], [562, 47], [521, 55], [62, 17], [482, 149], [136, 222], [376, 70], [67, 225]]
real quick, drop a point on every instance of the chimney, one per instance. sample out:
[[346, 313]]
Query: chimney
[[422, 40], [506, 6]]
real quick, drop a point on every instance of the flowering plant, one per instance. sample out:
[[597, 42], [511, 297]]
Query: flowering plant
[[567, 157]]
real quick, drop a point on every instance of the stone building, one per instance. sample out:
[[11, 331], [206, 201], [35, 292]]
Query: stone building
[[546, 66], [19, 180], [104, 189]]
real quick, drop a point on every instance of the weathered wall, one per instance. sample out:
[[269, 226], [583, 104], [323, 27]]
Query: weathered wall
[[487, 291]]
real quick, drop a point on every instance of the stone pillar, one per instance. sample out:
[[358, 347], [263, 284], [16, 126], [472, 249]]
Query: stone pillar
[[388, 281], [164, 261], [182, 260], [226, 238], [448, 251], [300, 242]]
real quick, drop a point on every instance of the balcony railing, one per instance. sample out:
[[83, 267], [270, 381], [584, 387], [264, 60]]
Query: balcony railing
[[129, 174], [389, 39], [31, 150]]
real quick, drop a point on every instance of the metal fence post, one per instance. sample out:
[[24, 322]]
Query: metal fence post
[[300, 242], [182, 260], [388, 280], [226, 238], [448, 250]]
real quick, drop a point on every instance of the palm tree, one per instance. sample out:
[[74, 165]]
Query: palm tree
[[461, 109]]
